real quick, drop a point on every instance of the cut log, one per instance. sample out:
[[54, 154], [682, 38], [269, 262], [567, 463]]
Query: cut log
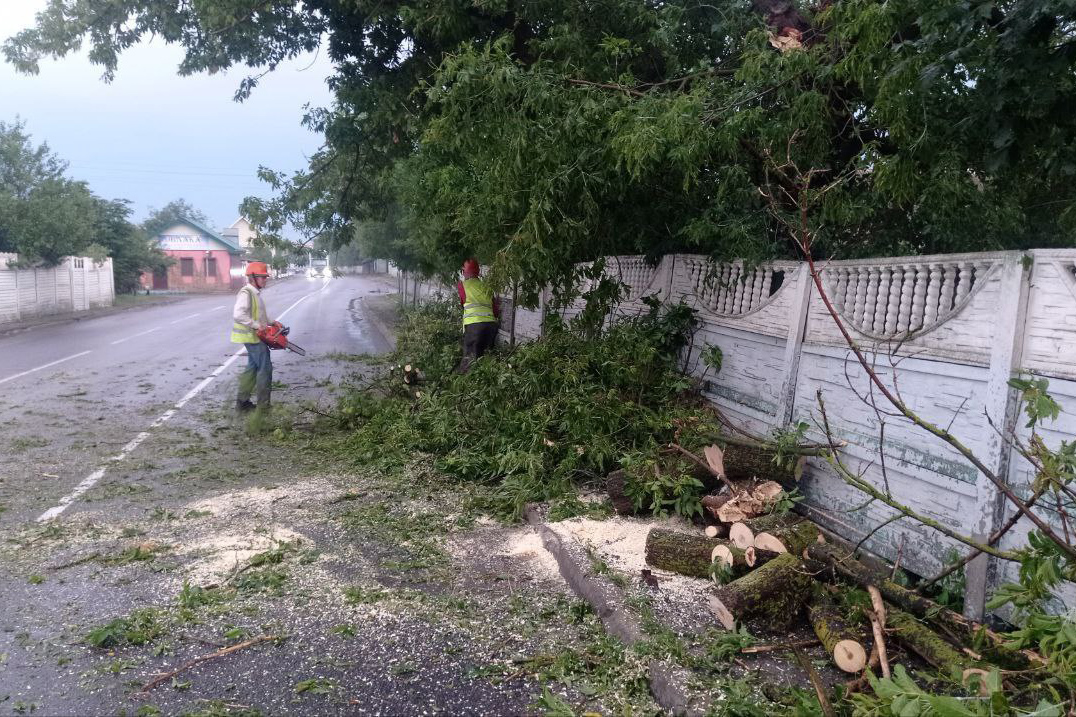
[[843, 642], [747, 462], [693, 554], [925, 643], [712, 504], [773, 523], [731, 512], [954, 626], [615, 487], [767, 491], [742, 561], [771, 595], [741, 536], [796, 537], [765, 541], [678, 552], [722, 553], [711, 531]]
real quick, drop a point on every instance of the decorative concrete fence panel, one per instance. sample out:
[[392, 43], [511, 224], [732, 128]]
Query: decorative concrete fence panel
[[749, 313], [77, 284]]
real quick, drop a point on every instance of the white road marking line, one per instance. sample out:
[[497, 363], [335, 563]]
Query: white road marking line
[[91, 480], [218, 308], [135, 336], [185, 318], [43, 366]]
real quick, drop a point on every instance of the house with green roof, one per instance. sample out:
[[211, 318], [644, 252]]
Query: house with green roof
[[204, 260]]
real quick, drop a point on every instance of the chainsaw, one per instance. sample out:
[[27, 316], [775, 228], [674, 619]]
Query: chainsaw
[[275, 336]]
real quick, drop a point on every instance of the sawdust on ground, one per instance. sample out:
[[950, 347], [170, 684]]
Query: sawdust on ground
[[518, 549], [621, 543]]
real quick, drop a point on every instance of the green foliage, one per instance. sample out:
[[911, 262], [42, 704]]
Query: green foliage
[[1038, 404], [175, 211], [712, 357], [316, 686], [901, 697], [659, 487], [141, 626], [786, 501], [45, 216], [723, 645], [538, 135], [557, 410]]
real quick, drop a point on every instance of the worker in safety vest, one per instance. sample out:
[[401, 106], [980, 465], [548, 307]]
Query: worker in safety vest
[[480, 312], [248, 317]]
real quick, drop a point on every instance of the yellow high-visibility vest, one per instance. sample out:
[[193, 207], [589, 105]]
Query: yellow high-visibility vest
[[244, 334], [477, 302]]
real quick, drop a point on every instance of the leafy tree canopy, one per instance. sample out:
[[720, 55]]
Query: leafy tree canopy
[[538, 134], [175, 211], [44, 216]]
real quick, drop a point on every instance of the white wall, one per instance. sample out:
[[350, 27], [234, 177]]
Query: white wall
[[77, 284]]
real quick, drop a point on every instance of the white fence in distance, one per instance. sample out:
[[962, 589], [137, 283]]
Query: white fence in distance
[[76, 284]]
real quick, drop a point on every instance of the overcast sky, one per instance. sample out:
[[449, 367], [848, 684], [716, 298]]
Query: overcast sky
[[151, 136]]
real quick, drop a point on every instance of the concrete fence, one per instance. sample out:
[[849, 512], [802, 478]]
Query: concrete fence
[[944, 332], [77, 284]]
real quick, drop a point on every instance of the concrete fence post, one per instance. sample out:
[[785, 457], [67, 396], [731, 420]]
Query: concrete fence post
[[18, 297], [1000, 403], [797, 325]]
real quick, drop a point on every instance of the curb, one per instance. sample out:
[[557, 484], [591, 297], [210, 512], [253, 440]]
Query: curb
[[371, 316], [666, 683]]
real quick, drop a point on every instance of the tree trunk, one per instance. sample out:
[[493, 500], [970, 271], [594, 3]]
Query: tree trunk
[[772, 595], [614, 486], [796, 537], [692, 555], [680, 552], [952, 625], [743, 462], [844, 643]]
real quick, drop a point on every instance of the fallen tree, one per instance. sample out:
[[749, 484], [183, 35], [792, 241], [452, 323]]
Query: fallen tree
[[772, 596]]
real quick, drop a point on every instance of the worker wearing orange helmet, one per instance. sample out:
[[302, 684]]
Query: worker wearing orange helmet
[[248, 317], [481, 310]]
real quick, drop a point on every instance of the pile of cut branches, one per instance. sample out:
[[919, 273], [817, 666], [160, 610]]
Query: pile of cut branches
[[774, 572], [536, 421]]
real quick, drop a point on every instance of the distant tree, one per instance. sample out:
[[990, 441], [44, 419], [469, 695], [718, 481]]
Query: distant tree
[[347, 255], [43, 215], [131, 249], [176, 210]]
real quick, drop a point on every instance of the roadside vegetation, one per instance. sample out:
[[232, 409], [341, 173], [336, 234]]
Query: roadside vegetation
[[537, 423]]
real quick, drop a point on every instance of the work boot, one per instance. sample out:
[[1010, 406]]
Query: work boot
[[244, 406]]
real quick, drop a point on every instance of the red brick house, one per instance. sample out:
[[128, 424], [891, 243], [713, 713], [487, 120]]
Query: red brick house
[[205, 261]]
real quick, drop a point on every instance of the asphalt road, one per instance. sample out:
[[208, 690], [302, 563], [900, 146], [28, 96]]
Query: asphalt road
[[74, 397], [120, 431]]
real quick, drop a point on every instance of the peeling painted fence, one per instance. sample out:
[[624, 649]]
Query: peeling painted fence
[[77, 284], [945, 332]]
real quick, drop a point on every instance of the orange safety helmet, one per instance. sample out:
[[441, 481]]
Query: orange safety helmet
[[257, 268], [470, 268]]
